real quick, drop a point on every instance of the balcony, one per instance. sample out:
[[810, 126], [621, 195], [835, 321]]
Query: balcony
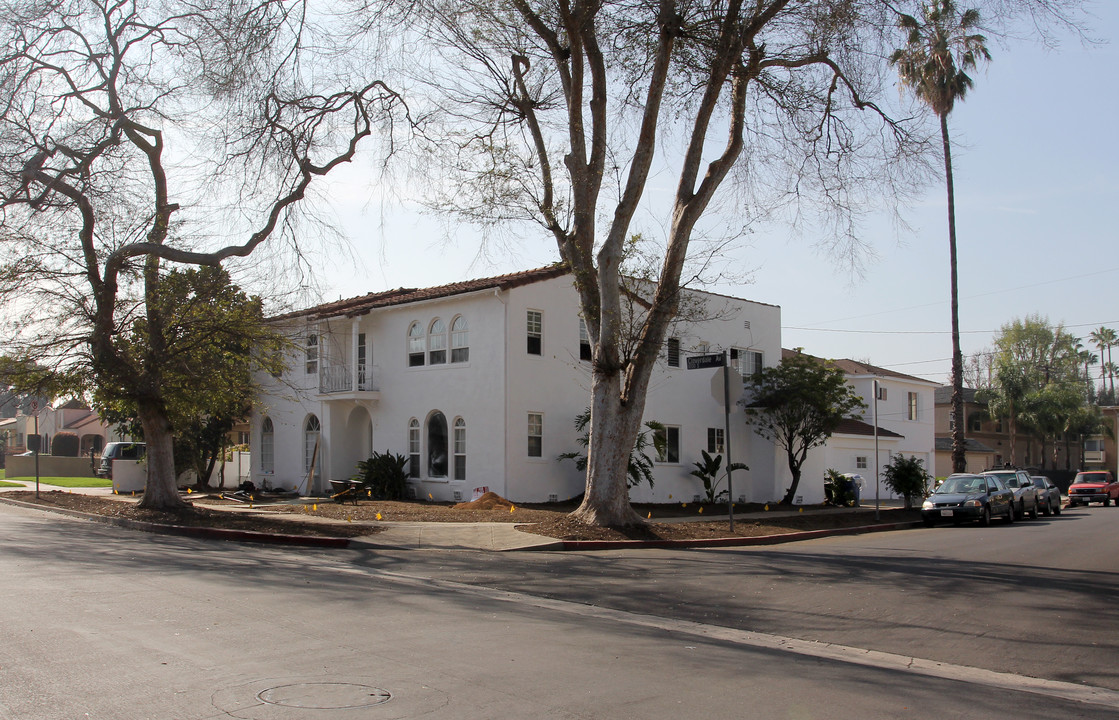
[[341, 383]]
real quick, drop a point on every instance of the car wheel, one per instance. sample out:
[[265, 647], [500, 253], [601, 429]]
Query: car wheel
[[985, 517], [1033, 511], [1057, 508], [1106, 500], [929, 522], [1010, 517], [1048, 509]]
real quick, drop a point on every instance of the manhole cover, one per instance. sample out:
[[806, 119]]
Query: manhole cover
[[324, 696]]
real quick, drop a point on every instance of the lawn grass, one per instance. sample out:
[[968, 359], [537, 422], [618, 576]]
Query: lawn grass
[[72, 482], [4, 483]]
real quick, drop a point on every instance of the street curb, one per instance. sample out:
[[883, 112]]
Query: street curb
[[188, 531], [728, 542]]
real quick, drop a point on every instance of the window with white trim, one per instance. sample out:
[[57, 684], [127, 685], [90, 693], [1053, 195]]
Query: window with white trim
[[437, 445], [437, 343], [534, 322], [417, 345], [667, 441], [267, 446], [584, 341], [311, 449], [414, 448], [311, 352], [460, 340], [746, 362], [860, 462], [715, 441], [459, 443], [536, 435], [911, 406]]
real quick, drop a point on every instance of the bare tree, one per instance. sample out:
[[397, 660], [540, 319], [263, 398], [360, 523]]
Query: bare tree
[[135, 133], [564, 112]]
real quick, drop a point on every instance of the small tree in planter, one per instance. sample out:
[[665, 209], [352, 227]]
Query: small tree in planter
[[708, 473], [65, 444], [907, 477]]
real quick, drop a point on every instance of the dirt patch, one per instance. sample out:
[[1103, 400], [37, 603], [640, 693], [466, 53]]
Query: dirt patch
[[550, 520], [192, 516]]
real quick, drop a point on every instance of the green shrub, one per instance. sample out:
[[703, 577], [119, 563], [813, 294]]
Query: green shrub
[[837, 489], [907, 477], [66, 444], [708, 472], [382, 476]]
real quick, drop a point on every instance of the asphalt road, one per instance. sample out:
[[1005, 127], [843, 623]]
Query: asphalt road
[[1008, 621]]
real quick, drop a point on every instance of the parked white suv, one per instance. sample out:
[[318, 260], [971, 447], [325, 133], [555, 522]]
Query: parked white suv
[[119, 451]]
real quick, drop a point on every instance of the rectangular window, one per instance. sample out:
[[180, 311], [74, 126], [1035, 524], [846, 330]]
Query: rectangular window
[[912, 406], [414, 449], [715, 443], [673, 351], [312, 353], [584, 341], [860, 462], [535, 435], [668, 444], [460, 449], [974, 423], [881, 392], [746, 362], [535, 327]]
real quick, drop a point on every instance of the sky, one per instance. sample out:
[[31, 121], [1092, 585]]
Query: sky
[[1035, 152]]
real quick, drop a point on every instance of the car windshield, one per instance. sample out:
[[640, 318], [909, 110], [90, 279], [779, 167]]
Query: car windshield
[[962, 485], [1040, 482], [1089, 478]]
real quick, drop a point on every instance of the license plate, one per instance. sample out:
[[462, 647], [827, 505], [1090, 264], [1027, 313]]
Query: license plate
[[945, 513]]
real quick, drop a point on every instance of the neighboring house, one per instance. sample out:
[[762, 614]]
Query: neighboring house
[[1100, 451], [72, 416], [991, 438], [478, 383], [905, 427]]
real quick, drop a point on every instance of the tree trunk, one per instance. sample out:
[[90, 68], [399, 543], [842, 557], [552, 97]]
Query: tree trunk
[[794, 468], [959, 443], [161, 491], [614, 428]]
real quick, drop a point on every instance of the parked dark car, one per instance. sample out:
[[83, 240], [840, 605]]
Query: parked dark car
[[966, 497], [1092, 486], [1048, 494], [119, 451], [1025, 494]]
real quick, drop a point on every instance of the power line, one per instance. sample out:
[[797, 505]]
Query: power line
[[931, 332]]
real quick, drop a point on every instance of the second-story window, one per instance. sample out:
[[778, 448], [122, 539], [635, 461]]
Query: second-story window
[[673, 351], [416, 345], [746, 362], [437, 343], [535, 330], [912, 406], [311, 351], [584, 341], [460, 340]]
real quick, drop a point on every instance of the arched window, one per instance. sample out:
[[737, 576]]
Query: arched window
[[267, 446], [460, 449], [414, 448], [437, 445], [311, 449], [460, 340], [416, 345], [437, 343]]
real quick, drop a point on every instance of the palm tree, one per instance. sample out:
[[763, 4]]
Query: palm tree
[[1104, 338], [932, 64]]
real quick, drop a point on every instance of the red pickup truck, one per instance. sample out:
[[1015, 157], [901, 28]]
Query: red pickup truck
[[1093, 486]]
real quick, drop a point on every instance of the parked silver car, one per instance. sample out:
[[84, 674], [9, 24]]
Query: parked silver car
[[1048, 494], [1025, 494]]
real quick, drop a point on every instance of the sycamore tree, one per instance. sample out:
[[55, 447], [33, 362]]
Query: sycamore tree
[[139, 134], [797, 405], [597, 120]]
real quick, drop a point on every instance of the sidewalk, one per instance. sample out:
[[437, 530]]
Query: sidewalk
[[504, 537]]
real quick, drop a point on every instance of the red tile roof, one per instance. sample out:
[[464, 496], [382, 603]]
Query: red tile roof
[[363, 304]]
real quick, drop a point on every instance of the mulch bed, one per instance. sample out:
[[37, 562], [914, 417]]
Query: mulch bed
[[548, 520]]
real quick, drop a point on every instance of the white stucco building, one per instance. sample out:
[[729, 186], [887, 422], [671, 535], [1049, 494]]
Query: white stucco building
[[479, 383], [906, 426]]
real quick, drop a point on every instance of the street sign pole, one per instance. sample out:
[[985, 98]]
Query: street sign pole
[[35, 409], [726, 433]]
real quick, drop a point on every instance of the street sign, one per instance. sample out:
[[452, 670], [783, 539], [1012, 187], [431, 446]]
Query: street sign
[[699, 362]]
